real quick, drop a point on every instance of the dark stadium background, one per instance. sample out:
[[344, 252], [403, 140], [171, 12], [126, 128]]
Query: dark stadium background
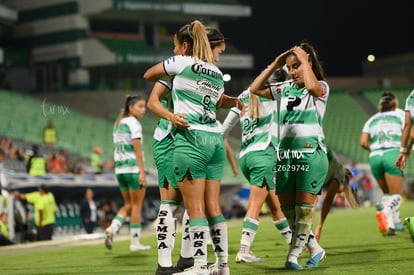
[[343, 32]]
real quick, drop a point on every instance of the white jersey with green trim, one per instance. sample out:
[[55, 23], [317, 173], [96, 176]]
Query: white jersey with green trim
[[258, 133], [129, 128], [385, 130], [197, 87], [301, 117], [409, 104], [164, 126]]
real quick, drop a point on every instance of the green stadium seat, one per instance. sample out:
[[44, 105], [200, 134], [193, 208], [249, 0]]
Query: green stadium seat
[[343, 123]]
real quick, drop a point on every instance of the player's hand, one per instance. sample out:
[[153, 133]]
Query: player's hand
[[401, 161], [142, 179], [180, 122]]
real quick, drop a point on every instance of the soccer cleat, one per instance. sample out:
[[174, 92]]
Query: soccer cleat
[[221, 269], [194, 270], [391, 232], [139, 247], [409, 224], [109, 238], [382, 222], [315, 260], [163, 270], [184, 263], [293, 266], [247, 258]]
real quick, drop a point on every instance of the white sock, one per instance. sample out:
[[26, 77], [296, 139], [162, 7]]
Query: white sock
[[313, 245], [198, 236], [387, 204], [395, 202], [385, 199], [294, 253], [249, 230], [135, 232], [165, 233], [283, 227], [303, 224], [186, 246], [218, 233], [116, 224]]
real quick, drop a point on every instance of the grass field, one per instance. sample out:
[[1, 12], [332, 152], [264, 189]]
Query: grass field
[[350, 238]]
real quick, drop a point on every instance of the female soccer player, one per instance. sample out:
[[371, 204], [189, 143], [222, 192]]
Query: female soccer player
[[302, 163], [129, 171]]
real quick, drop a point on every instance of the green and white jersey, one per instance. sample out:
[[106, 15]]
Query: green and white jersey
[[301, 116], [257, 134], [129, 128], [384, 130], [197, 87], [164, 126], [409, 104]]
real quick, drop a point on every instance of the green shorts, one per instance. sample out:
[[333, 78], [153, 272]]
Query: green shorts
[[259, 167], [163, 157], [198, 155], [303, 172], [383, 162], [128, 181]]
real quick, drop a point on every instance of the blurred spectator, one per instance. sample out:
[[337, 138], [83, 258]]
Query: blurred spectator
[[226, 212], [339, 200], [45, 210], [368, 188], [238, 210], [88, 168], [5, 144], [78, 167], [4, 231], [88, 211], [50, 134], [21, 154], [12, 151], [64, 157], [355, 183], [96, 160], [55, 163], [36, 165], [21, 226], [106, 214], [109, 166]]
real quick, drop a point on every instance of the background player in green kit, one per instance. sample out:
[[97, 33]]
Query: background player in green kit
[[381, 136], [199, 152], [129, 171], [302, 163], [257, 162]]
